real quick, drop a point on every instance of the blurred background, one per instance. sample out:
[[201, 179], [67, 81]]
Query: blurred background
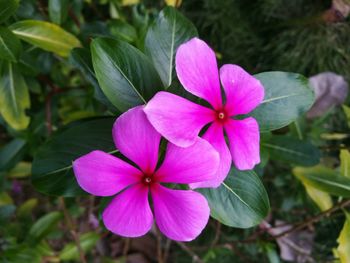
[[310, 37]]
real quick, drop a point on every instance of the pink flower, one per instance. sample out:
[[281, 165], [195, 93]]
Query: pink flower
[[180, 120], [180, 214]]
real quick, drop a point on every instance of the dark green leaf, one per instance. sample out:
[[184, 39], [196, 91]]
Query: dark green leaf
[[7, 9], [324, 179], [11, 153], [81, 58], [14, 96], [46, 35], [10, 46], [287, 96], [52, 166], [292, 150], [125, 74], [123, 30], [241, 201], [44, 226], [58, 10], [170, 30]]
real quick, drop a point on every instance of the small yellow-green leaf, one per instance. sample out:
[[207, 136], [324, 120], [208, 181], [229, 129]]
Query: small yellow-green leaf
[[21, 170], [344, 241], [345, 162], [5, 199], [14, 96], [175, 3], [26, 208], [322, 199], [45, 35], [346, 110], [87, 242], [130, 2]]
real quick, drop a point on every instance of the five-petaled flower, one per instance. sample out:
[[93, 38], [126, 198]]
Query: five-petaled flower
[[180, 214], [180, 120]]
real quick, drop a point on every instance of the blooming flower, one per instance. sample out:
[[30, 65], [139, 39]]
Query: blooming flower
[[180, 214], [180, 120]]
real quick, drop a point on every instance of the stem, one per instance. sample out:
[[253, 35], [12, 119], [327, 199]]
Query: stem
[[73, 232], [159, 247], [314, 219], [195, 257]]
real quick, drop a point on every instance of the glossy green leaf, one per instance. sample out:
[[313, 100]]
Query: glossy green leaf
[[324, 179], [46, 35], [241, 201], [345, 162], [292, 150], [14, 96], [87, 242], [10, 46], [287, 96], [125, 75], [344, 241], [81, 58], [43, 226], [123, 30], [52, 166], [7, 9], [11, 153], [170, 30], [58, 11]]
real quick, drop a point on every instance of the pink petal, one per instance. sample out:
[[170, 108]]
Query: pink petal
[[215, 135], [177, 119], [243, 92], [244, 140], [129, 213], [180, 214], [197, 71], [196, 163], [102, 174], [135, 137]]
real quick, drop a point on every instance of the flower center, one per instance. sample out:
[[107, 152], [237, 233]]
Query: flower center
[[147, 179], [221, 116]]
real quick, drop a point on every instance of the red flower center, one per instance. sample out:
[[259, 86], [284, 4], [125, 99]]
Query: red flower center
[[221, 115], [147, 179]]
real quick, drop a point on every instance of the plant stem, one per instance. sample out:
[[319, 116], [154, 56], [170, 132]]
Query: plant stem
[[71, 227]]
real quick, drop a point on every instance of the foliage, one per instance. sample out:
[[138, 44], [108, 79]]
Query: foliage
[[69, 68]]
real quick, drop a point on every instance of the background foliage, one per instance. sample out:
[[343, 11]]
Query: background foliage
[[68, 68]]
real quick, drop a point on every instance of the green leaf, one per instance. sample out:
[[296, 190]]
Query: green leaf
[[46, 35], [43, 226], [125, 75], [52, 166], [346, 110], [322, 199], [21, 170], [81, 58], [292, 150], [7, 9], [241, 201], [87, 242], [10, 46], [345, 162], [27, 207], [287, 96], [58, 11], [123, 30], [166, 34], [14, 96], [324, 179], [344, 241], [11, 153]]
